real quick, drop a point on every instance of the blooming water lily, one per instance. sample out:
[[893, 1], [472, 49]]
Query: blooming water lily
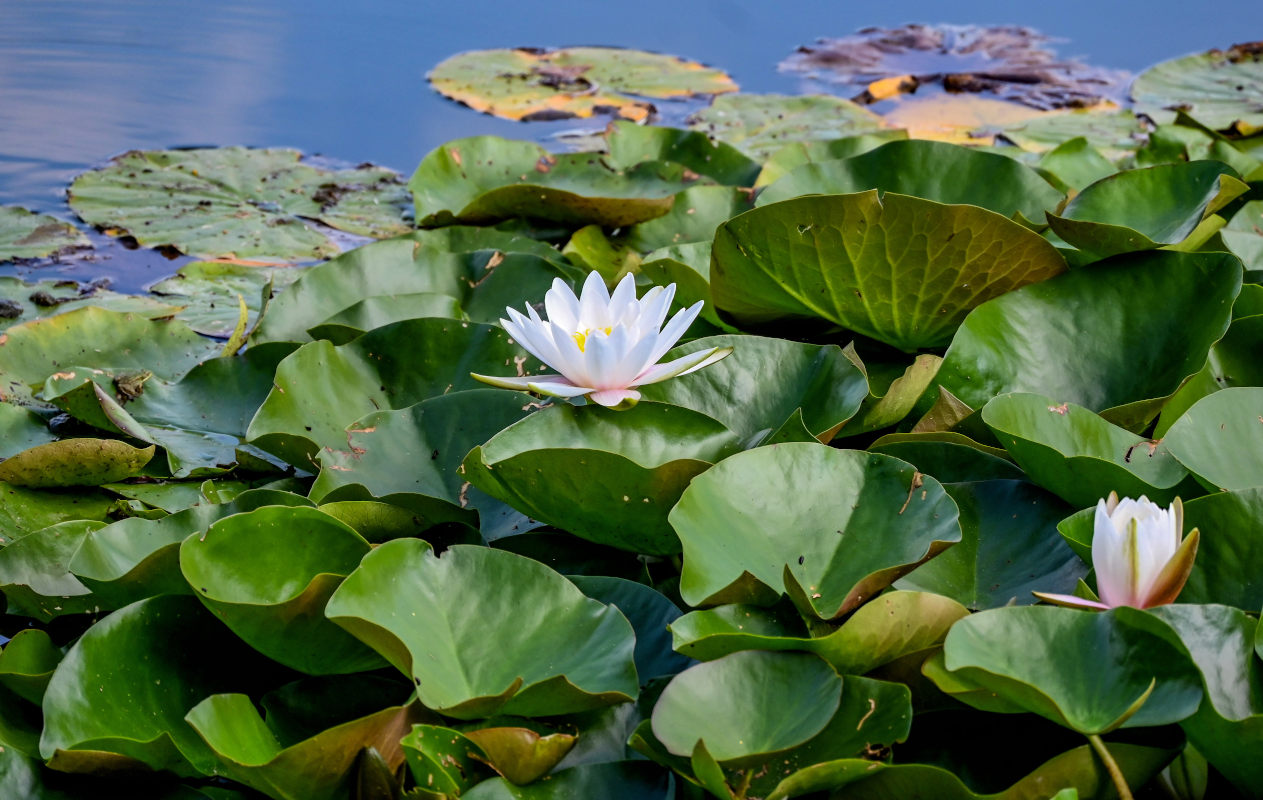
[[1139, 552], [603, 345]]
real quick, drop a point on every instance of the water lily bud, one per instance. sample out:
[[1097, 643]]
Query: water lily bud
[[603, 345], [1139, 552]]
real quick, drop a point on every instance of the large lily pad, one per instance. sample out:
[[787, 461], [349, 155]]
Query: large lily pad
[[527, 83], [630, 144], [1079, 456], [23, 511], [614, 780], [34, 576], [1220, 88], [96, 711], [1142, 209], [796, 154], [900, 269], [1220, 439], [22, 301], [1244, 235], [649, 612], [74, 462], [1111, 317], [938, 171], [1115, 133], [776, 378], [1091, 672], [483, 179], [761, 124], [238, 202], [534, 647], [1010, 548], [607, 476], [697, 212], [210, 293], [484, 270], [743, 542], [268, 574], [25, 234]]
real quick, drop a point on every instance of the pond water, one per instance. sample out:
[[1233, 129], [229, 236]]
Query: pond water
[[82, 80]]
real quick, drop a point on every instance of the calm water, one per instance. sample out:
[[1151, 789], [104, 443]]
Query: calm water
[[81, 80]]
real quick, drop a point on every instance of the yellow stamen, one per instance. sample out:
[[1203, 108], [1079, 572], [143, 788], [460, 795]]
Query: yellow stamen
[[581, 337]]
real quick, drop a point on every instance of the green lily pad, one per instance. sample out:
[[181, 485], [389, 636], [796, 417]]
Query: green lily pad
[[938, 171], [607, 476], [761, 124], [27, 662], [742, 542], [237, 202], [894, 625], [268, 574], [1232, 362], [1244, 235], [828, 257], [1112, 317], [697, 212], [630, 144], [796, 154], [1143, 209], [96, 715], [650, 614], [34, 576], [1220, 88], [209, 292], [1010, 548], [688, 267], [25, 234], [521, 755], [20, 430], [483, 269], [1077, 455], [136, 558], [590, 250], [1076, 164], [74, 462], [775, 378], [893, 390], [614, 780], [21, 301], [534, 647], [1116, 134], [484, 179], [948, 456], [1220, 437], [1091, 672], [443, 760], [319, 389], [24, 511], [318, 768], [1228, 550], [527, 83], [748, 704]]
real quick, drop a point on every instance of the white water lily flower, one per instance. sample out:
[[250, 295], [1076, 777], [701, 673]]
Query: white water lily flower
[[603, 346], [1139, 553]]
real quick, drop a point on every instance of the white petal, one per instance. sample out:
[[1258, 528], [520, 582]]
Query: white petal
[[680, 366], [521, 384], [1107, 556], [570, 360], [611, 398], [602, 354], [533, 339], [675, 329], [562, 306], [623, 301], [558, 388], [594, 304], [654, 307]]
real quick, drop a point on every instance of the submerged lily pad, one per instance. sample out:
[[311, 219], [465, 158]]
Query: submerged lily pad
[[237, 202], [21, 301], [25, 234], [1222, 89], [900, 269], [527, 83], [1009, 61], [761, 124]]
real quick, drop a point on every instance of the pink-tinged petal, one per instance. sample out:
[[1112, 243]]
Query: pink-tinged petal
[[561, 305], [601, 354], [520, 384], [654, 308], [1070, 601], [617, 399], [719, 355], [594, 304], [675, 329], [681, 365], [637, 359], [1170, 581], [557, 387]]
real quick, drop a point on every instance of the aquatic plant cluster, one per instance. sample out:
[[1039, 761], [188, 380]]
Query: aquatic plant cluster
[[789, 430]]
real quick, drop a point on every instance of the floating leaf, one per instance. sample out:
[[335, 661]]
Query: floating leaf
[[607, 476], [937, 171], [237, 202], [968, 119], [1138, 678], [74, 462], [21, 429], [760, 124], [34, 576], [615, 780], [25, 234], [630, 144], [27, 662], [209, 292], [1143, 209], [1116, 134], [1111, 317], [534, 647], [268, 574], [949, 456], [531, 84], [694, 217], [1076, 164], [23, 511], [1079, 456], [484, 179], [796, 154], [776, 377], [1244, 235], [443, 760], [742, 542], [649, 612], [900, 269], [1220, 88], [1220, 439], [21, 301]]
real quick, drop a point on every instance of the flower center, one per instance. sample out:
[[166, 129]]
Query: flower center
[[581, 338]]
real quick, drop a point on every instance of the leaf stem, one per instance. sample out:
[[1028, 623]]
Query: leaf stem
[[1111, 766]]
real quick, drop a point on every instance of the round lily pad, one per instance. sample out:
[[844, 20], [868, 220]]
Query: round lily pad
[[237, 202], [1222, 89], [527, 83], [760, 124], [1220, 439], [25, 234]]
